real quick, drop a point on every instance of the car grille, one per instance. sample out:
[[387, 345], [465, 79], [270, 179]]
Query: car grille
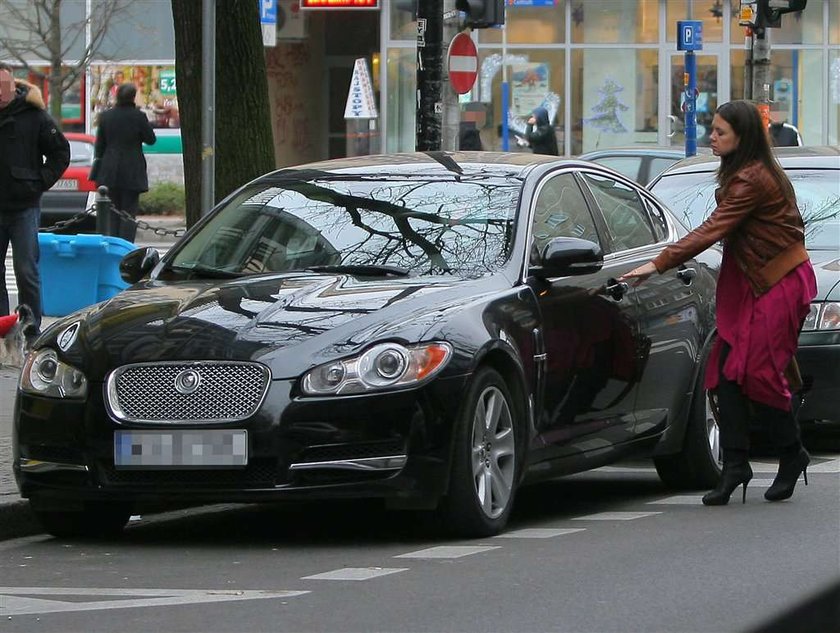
[[205, 391]]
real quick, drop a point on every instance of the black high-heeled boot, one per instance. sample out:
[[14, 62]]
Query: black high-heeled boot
[[789, 469], [733, 475]]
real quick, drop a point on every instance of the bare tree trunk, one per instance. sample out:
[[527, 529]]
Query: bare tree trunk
[[244, 142], [54, 47]]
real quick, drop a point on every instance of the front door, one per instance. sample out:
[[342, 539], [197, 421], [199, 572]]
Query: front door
[[589, 337]]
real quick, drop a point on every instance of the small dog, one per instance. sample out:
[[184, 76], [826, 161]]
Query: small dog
[[13, 343]]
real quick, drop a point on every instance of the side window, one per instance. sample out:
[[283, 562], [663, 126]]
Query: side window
[[626, 165], [561, 211], [624, 213], [657, 220]]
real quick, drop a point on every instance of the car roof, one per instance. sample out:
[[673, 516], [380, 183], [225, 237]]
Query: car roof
[[804, 157], [516, 164], [640, 150]]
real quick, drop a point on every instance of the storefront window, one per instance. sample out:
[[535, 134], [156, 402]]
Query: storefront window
[[530, 25], [614, 99], [614, 21], [402, 97], [141, 30], [834, 98], [403, 24], [156, 92], [834, 22], [797, 90], [710, 12], [535, 78], [801, 27]]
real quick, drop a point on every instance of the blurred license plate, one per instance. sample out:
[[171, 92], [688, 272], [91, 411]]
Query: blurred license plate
[[221, 448], [66, 184]]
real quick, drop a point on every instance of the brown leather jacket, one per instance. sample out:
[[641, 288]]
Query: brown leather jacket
[[762, 229]]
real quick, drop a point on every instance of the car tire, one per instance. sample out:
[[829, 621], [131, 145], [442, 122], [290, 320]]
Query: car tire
[[699, 463], [95, 520], [486, 459]]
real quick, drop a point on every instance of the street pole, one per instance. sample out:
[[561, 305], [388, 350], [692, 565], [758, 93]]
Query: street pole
[[451, 122], [760, 89], [208, 101], [505, 92], [429, 107]]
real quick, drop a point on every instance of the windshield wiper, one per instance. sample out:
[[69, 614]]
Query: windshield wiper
[[199, 270], [362, 269]]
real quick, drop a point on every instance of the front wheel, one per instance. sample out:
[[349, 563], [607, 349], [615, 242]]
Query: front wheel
[[486, 456], [94, 520], [699, 463]]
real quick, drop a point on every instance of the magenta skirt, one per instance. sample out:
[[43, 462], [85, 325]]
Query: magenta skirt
[[763, 331]]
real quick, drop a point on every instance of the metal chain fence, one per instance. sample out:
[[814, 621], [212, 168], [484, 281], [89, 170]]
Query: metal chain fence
[[91, 211]]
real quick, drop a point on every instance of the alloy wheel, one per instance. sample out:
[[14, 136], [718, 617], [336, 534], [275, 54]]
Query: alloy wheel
[[493, 452]]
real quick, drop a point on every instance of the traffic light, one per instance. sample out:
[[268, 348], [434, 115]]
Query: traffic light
[[769, 12], [482, 14]]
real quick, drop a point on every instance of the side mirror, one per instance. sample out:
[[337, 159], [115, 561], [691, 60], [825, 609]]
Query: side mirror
[[564, 256], [138, 263]]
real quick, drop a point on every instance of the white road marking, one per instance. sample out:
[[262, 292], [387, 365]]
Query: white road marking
[[615, 516], [20, 600], [449, 551], [677, 500], [539, 532], [356, 573]]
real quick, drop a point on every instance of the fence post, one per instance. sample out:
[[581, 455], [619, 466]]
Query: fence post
[[104, 220]]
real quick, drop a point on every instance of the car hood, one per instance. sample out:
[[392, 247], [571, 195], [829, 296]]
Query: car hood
[[827, 269], [289, 322]]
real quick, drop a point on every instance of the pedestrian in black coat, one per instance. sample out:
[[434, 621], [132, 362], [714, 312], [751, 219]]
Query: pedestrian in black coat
[[33, 156], [119, 163], [540, 133]]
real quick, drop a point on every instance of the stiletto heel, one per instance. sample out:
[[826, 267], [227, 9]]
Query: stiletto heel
[[789, 470], [733, 475]]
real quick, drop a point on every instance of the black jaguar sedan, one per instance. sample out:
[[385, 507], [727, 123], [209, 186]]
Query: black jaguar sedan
[[432, 329]]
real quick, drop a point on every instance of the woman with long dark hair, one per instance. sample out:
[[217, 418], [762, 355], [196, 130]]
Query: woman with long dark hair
[[764, 292]]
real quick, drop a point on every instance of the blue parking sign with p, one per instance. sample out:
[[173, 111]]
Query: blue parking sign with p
[[268, 11], [689, 35]]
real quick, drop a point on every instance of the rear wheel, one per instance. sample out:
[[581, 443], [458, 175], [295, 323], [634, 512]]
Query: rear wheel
[[698, 464], [486, 457], [94, 520]]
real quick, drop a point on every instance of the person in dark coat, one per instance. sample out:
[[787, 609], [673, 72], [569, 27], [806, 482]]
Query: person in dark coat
[[540, 133], [470, 140], [119, 163], [33, 156]]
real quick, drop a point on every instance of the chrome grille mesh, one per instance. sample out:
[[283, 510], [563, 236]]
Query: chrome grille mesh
[[226, 391]]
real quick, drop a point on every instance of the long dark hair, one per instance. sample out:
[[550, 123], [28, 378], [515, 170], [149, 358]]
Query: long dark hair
[[753, 144], [126, 94]]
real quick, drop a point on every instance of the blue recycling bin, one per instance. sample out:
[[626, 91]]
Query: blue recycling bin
[[79, 270]]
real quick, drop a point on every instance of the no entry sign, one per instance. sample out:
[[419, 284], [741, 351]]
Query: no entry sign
[[463, 63]]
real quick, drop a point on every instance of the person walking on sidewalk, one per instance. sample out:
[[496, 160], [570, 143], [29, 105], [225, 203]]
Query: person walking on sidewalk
[[33, 156], [118, 161], [540, 133], [764, 293]]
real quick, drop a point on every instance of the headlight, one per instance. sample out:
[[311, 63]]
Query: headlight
[[383, 366], [44, 375], [824, 315]]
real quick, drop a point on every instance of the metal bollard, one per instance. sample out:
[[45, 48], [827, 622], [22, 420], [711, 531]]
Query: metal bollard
[[104, 219]]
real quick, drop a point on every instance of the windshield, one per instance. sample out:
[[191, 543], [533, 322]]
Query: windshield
[[81, 153], [692, 199], [367, 223]]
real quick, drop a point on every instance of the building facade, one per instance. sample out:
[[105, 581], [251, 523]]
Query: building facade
[[607, 70]]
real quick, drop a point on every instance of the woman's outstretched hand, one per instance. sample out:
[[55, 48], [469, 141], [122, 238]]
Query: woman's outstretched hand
[[640, 274]]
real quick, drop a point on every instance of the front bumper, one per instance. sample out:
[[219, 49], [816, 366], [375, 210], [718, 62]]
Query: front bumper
[[393, 446]]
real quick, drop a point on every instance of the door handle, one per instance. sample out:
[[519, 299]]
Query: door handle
[[673, 120], [616, 289], [686, 275]]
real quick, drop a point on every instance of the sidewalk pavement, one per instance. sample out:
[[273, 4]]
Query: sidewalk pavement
[[16, 519]]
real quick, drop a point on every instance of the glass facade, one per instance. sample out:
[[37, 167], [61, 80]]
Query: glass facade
[[609, 71]]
